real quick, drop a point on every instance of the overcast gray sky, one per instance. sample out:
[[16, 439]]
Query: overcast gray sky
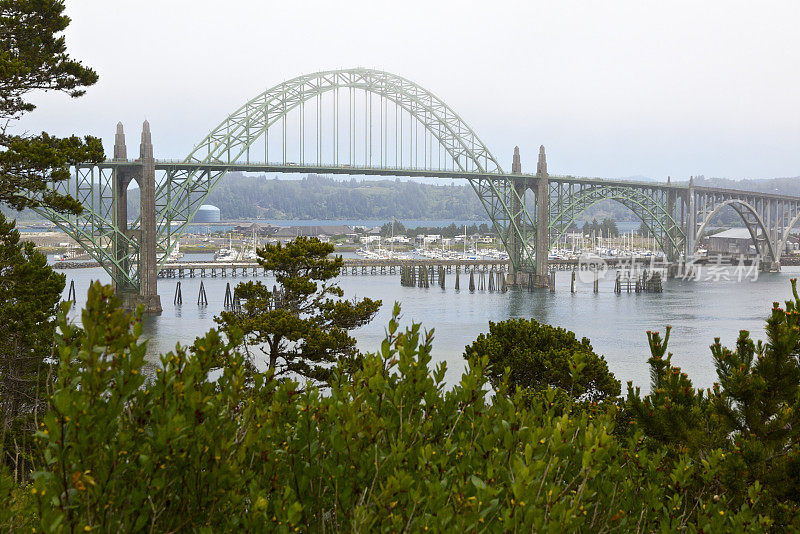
[[611, 88]]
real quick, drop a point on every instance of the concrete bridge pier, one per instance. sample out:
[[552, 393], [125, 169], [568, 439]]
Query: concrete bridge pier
[[516, 278], [542, 276], [146, 235], [121, 178], [770, 266]]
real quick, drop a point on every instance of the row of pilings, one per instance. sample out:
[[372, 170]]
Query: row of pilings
[[479, 280], [647, 282], [232, 300]]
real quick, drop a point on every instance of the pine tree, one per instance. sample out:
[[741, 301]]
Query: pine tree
[[302, 325], [758, 402], [540, 357], [675, 414], [29, 294], [33, 57]]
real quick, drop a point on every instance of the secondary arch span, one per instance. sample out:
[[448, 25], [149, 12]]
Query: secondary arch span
[[652, 211], [753, 222]]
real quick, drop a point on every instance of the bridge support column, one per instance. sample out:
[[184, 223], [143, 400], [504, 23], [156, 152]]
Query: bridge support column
[[147, 294], [121, 179], [148, 266], [516, 278], [691, 221], [772, 225], [541, 277]]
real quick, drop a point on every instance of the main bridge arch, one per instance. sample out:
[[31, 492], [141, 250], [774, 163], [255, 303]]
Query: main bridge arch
[[179, 196], [754, 224], [655, 207]]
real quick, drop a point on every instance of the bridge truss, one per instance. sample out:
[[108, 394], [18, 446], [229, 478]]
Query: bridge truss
[[369, 122]]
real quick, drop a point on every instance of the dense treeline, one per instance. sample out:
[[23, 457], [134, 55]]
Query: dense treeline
[[451, 230], [606, 228], [317, 197]]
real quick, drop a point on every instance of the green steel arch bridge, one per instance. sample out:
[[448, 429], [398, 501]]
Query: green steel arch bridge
[[368, 122]]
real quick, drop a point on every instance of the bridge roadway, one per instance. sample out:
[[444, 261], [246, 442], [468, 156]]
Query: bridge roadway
[[171, 166]]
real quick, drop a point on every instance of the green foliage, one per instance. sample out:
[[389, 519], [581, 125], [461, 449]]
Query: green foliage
[[33, 57], [752, 414], [675, 414], [758, 402], [539, 357], [29, 293], [317, 197], [607, 228], [196, 447], [29, 164], [18, 509], [451, 230], [302, 326]]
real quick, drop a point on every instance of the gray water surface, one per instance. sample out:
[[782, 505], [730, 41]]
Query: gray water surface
[[698, 311]]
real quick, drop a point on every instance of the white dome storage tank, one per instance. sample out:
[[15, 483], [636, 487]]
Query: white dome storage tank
[[206, 214]]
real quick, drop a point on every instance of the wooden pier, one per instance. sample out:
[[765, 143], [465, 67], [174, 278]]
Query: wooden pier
[[352, 267]]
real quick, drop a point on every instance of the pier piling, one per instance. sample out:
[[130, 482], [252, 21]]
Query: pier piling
[[202, 299], [228, 303], [178, 300]]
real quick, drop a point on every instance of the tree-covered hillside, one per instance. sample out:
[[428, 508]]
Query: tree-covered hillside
[[317, 197]]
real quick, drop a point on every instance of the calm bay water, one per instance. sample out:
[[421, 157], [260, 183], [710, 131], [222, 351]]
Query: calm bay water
[[698, 311]]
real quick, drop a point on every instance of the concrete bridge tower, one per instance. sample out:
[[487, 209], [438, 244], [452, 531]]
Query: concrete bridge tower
[[542, 278], [146, 236], [121, 179], [516, 210], [148, 266]]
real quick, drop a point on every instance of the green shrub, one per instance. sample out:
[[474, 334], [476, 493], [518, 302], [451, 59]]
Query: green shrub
[[752, 414], [197, 447], [539, 357]]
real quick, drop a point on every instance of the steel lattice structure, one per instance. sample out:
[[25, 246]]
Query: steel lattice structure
[[179, 197], [656, 205], [369, 122]]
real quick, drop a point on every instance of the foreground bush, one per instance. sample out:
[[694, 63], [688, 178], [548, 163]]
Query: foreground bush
[[199, 448], [752, 413], [541, 357]]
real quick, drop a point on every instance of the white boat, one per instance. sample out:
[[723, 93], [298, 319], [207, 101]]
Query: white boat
[[251, 254], [227, 254], [175, 255], [70, 254]]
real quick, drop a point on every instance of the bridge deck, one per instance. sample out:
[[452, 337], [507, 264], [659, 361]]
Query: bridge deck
[[265, 167]]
